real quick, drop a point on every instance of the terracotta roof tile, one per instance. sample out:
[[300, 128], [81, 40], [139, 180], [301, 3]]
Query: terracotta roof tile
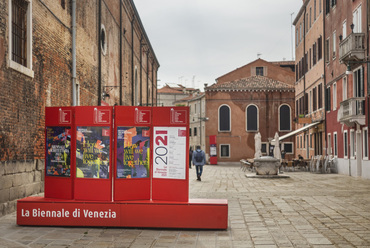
[[252, 83]]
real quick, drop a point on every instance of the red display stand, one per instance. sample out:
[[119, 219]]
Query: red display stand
[[212, 149], [119, 167], [132, 157], [59, 134], [199, 213], [93, 153], [170, 154]]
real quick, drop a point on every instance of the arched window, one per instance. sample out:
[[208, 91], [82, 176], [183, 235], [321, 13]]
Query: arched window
[[224, 120], [252, 118], [284, 118]]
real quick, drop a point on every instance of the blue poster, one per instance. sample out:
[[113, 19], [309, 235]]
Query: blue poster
[[58, 151]]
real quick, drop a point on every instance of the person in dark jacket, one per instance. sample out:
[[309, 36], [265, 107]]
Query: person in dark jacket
[[199, 159], [190, 156]]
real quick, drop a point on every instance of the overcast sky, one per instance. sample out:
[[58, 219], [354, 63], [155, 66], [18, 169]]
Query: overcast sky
[[197, 41]]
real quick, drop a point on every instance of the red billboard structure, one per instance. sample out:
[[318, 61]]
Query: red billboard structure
[[119, 166]]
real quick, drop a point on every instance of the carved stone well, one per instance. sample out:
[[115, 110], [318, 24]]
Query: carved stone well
[[267, 165]]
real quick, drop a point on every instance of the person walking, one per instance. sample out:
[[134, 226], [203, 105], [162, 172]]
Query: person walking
[[190, 156], [199, 159]]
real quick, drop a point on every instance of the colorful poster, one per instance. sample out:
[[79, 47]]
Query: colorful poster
[[133, 152], [169, 152], [92, 152], [58, 157]]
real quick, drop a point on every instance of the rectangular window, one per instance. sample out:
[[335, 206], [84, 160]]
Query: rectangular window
[[195, 131], [345, 143], [358, 82], [344, 30], [352, 143], [335, 141], [296, 37], [344, 88], [314, 99], [20, 36], [314, 10], [334, 96], [329, 144], [264, 147], [224, 150], [19, 31], [319, 89], [259, 71], [310, 17], [365, 144], [327, 99], [320, 8], [333, 3], [319, 48], [327, 9], [190, 132], [357, 20], [288, 147], [334, 43], [327, 50]]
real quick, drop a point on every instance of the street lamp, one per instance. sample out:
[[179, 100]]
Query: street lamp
[[349, 63], [200, 129]]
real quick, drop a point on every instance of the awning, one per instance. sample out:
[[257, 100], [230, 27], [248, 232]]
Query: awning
[[297, 131]]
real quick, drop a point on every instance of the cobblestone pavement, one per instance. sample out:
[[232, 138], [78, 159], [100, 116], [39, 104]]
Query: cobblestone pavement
[[305, 210]]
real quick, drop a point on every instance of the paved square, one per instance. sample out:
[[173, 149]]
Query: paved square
[[305, 210]]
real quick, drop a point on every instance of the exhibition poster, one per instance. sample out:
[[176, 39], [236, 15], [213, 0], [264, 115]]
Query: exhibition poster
[[133, 152], [169, 152], [92, 152], [58, 157]]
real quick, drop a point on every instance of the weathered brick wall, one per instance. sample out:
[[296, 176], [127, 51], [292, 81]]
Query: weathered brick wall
[[23, 99]]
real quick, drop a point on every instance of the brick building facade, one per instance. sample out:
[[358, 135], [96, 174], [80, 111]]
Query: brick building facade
[[115, 64], [346, 45], [253, 101], [310, 81]]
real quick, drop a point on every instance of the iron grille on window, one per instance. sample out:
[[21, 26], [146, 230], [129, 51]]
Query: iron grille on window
[[19, 31]]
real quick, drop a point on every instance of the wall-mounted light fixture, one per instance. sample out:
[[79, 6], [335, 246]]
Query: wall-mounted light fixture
[[350, 63]]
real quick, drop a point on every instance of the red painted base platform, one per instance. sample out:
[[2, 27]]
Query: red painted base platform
[[194, 214]]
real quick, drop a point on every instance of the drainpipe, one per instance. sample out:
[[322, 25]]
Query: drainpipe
[[74, 97], [324, 66], [99, 56], [147, 78], [141, 71], [153, 83], [120, 53], [304, 52], [132, 63]]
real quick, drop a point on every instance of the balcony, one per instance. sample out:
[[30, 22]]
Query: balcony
[[352, 48], [352, 111]]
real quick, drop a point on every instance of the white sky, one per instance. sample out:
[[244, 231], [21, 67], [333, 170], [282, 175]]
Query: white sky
[[197, 41]]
